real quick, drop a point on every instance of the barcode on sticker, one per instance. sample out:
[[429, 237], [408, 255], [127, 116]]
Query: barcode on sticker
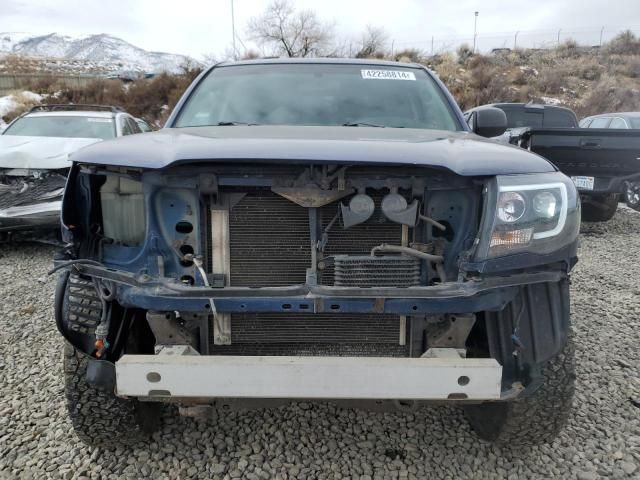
[[388, 74]]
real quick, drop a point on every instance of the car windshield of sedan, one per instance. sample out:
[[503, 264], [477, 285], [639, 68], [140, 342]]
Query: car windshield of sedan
[[318, 95], [66, 126]]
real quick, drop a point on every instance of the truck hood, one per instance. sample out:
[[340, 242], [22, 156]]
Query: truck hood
[[461, 152], [39, 153]]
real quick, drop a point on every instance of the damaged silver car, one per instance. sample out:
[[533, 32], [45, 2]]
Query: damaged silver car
[[34, 161]]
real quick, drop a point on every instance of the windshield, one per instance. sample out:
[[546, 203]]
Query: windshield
[[63, 126], [318, 94], [518, 117]]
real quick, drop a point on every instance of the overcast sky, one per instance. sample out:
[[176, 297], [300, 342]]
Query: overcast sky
[[198, 27]]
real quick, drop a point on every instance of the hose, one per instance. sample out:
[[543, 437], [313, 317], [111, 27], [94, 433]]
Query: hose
[[80, 261], [408, 251], [199, 267], [433, 222]]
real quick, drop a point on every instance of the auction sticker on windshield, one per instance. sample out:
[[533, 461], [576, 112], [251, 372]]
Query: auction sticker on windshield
[[388, 74]]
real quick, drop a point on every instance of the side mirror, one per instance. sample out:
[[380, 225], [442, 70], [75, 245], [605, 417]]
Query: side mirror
[[488, 122]]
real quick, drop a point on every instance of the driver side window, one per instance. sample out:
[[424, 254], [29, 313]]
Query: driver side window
[[126, 127]]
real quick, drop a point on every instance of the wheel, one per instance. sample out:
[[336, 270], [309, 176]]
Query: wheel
[[632, 195], [99, 417], [533, 419], [600, 208]]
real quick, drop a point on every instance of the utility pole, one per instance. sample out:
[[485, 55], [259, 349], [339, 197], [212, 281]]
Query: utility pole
[[233, 32], [475, 31], [515, 40], [559, 36], [601, 32]]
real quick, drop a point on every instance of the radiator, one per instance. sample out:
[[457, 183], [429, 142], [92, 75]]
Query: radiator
[[270, 245]]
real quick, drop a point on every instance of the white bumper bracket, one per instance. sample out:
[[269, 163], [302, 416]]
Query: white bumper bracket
[[186, 376]]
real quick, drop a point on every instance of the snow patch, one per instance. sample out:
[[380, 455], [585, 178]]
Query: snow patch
[[32, 96], [528, 70], [551, 101], [9, 103]]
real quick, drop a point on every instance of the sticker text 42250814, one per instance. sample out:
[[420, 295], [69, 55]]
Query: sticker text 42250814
[[387, 75]]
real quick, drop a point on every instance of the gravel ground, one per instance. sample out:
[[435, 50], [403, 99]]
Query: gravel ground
[[320, 440]]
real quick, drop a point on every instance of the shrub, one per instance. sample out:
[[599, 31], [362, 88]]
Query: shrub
[[611, 94], [464, 53], [624, 44], [414, 55]]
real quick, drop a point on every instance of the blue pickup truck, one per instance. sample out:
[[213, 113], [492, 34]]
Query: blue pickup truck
[[321, 230]]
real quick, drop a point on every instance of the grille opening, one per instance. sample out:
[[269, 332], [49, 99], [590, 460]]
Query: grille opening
[[308, 334]]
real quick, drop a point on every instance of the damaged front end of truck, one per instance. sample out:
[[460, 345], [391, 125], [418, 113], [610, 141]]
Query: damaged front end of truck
[[318, 260], [238, 265]]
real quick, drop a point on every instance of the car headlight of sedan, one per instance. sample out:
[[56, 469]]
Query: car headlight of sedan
[[536, 213]]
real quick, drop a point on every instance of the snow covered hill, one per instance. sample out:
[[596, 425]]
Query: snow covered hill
[[113, 53]]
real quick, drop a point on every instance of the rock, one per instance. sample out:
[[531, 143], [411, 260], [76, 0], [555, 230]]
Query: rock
[[628, 467], [587, 475]]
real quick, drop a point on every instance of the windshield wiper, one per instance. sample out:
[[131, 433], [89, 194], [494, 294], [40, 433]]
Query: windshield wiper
[[229, 124], [362, 124]]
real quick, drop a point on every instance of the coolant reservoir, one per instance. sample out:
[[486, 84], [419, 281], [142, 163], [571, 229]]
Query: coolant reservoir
[[123, 213]]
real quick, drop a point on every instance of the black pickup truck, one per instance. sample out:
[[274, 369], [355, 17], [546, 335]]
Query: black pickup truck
[[603, 163]]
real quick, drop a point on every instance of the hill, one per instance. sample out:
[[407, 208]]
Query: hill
[[100, 52]]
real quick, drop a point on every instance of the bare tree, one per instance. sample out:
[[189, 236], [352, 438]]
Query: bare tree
[[290, 32], [372, 43]]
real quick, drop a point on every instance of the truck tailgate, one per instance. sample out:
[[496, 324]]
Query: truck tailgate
[[589, 150], [609, 156]]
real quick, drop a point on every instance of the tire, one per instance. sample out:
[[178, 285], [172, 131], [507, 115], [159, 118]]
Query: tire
[[632, 195], [99, 417], [81, 306], [536, 418], [600, 208]]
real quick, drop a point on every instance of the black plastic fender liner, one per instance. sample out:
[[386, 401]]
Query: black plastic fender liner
[[82, 341], [61, 288], [529, 331], [100, 373]]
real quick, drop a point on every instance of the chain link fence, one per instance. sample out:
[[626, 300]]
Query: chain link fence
[[543, 39]]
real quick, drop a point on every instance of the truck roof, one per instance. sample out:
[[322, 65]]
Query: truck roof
[[344, 61], [523, 105], [533, 114]]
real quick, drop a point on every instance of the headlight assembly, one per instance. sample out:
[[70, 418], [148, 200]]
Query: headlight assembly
[[537, 213]]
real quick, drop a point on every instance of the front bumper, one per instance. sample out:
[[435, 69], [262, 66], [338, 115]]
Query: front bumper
[[185, 376], [28, 217], [488, 294]]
